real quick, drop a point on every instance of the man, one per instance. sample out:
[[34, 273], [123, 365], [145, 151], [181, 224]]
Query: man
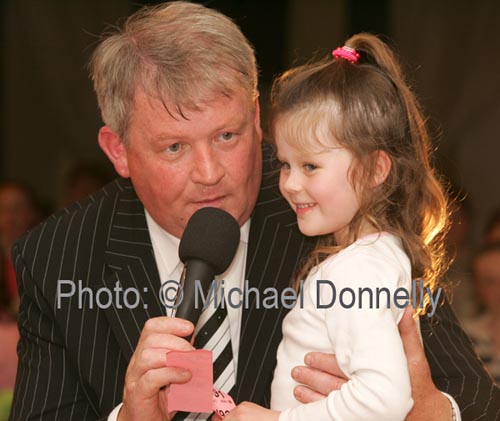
[[177, 88]]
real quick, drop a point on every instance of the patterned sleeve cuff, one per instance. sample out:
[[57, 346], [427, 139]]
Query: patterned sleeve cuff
[[454, 407]]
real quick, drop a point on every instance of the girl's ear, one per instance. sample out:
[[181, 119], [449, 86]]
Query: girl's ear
[[382, 167]]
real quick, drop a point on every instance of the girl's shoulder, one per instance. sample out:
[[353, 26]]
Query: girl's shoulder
[[374, 254]]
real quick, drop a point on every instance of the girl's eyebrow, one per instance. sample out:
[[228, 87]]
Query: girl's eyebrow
[[321, 151], [314, 154]]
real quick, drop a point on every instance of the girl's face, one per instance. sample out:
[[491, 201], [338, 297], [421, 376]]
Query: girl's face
[[315, 182]]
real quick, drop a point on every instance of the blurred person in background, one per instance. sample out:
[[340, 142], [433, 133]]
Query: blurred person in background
[[492, 229], [81, 181], [19, 211], [459, 247], [484, 329]]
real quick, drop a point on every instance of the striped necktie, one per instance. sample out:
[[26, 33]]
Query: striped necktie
[[213, 333]]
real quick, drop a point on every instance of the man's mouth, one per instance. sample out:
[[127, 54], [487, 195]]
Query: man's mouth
[[210, 201]]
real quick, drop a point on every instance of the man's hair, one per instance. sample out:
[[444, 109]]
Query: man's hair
[[181, 53]]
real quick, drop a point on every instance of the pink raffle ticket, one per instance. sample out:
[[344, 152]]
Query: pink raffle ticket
[[198, 394]]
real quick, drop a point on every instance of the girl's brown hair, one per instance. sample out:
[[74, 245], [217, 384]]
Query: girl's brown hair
[[369, 107]]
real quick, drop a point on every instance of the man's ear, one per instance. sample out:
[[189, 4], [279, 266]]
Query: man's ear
[[113, 147], [382, 167], [258, 128]]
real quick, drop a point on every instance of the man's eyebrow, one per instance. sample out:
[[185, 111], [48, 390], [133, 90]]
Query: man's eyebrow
[[236, 121], [164, 137]]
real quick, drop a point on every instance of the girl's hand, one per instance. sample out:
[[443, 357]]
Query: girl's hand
[[248, 411]]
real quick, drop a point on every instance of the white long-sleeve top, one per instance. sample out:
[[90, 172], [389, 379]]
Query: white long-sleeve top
[[365, 340]]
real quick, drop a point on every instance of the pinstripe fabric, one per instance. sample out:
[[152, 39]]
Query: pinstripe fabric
[[456, 369], [72, 360]]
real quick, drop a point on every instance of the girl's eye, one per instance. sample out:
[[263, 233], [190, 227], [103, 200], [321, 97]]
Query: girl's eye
[[284, 165], [310, 167]]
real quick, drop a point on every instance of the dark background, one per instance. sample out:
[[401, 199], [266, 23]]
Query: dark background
[[450, 49]]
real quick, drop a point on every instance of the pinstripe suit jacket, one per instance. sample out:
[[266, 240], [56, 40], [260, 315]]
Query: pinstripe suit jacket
[[73, 354]]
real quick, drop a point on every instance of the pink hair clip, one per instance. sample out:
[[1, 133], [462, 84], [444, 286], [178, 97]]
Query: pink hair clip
[[347, 53]]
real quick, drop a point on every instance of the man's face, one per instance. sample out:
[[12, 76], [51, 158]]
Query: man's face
[[179, 165]]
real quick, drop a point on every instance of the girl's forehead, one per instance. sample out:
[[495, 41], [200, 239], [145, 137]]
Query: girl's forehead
[[306, 130]]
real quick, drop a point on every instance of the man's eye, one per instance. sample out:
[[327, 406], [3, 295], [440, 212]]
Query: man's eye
[[310, 167], [227, 136], [174, 148]]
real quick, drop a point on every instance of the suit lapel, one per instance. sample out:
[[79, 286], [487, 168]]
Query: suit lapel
[[130, 265]]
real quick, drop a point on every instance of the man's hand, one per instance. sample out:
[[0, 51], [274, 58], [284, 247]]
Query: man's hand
[[429, 402], [320, 376], [147, 372]]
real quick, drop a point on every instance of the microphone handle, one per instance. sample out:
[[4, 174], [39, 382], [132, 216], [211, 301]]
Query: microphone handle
[[196, 270]]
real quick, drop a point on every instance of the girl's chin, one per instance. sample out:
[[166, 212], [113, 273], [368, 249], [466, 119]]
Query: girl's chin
[[311, 231]]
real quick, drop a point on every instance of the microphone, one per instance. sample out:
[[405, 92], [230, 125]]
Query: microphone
[[207, 248]]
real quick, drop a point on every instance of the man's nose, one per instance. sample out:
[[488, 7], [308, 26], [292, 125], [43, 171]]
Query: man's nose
[[207, 167]]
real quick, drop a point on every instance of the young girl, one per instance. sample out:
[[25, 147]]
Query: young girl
[[354, 167]]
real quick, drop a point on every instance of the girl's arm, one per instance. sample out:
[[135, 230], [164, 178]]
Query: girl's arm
[[366, 342], [322, 376]]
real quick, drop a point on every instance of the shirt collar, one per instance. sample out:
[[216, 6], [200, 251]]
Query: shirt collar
[[168, 245]]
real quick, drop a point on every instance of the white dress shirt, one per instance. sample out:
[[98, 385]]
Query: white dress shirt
[[166, 246]]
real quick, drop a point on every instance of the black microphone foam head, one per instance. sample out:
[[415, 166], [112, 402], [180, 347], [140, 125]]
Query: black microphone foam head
[[211, 235]]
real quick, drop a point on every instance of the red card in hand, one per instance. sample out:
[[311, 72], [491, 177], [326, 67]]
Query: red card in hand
[[196, 394]]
